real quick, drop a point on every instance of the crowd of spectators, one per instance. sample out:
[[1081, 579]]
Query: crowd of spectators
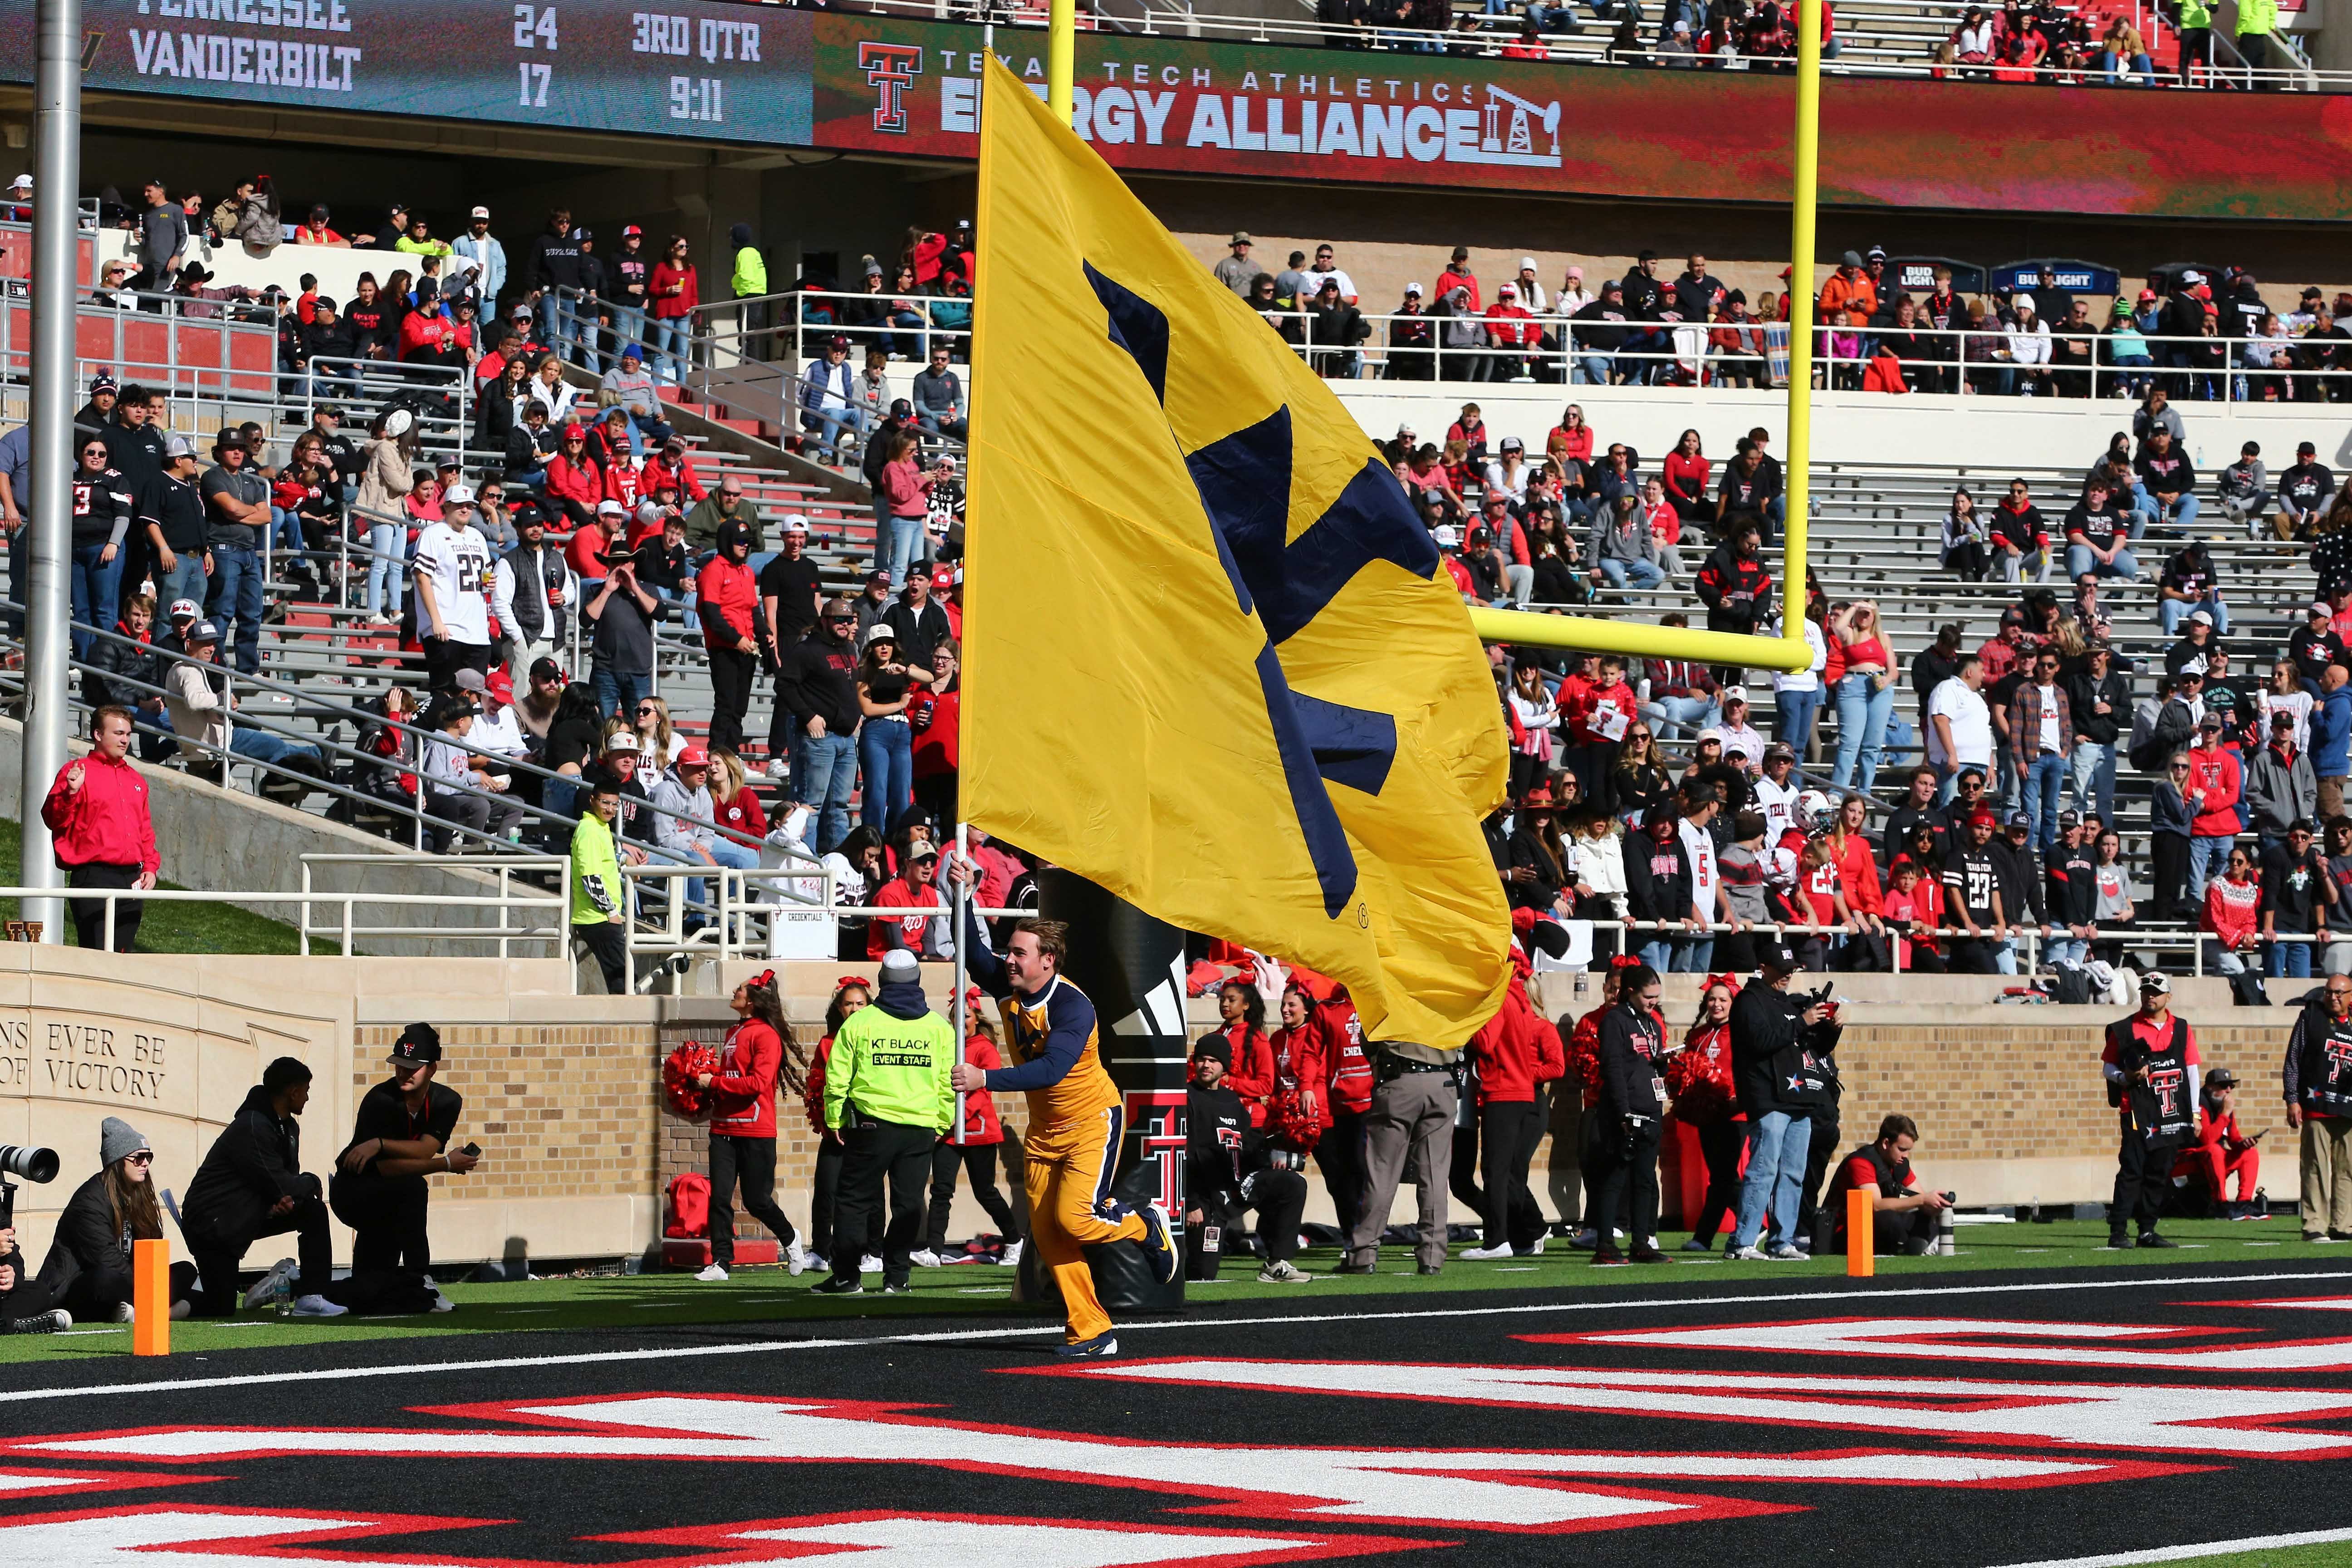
[[2202, 338]]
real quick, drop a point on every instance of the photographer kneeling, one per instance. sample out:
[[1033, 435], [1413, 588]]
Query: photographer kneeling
[[252, 1185], [1228, 1170], [1902, 1221], [88, 1270]]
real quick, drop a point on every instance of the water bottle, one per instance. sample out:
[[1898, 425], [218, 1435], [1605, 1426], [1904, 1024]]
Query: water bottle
[[1583, 984], [281, 1295]]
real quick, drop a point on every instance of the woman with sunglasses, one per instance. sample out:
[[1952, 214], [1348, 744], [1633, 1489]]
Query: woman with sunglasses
[[87, 1271], [885, 685], [675, 291], [656, 739], [2169, 821], [102, 517]]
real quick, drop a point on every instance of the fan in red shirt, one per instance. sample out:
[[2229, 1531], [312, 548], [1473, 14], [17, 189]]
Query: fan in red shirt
[[759, 1052], [850, 993], [1518, 1053], [1705, 1101], [1243, 1014], [97, 808], [1914, 912], [909, 889], [972, 1149], [672, 467]]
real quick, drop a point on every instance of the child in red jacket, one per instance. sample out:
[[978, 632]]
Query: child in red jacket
[[758, 1051], [973, 1150]]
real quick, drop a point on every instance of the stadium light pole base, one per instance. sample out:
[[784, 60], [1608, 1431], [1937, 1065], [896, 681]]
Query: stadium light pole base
[[1132, 967]]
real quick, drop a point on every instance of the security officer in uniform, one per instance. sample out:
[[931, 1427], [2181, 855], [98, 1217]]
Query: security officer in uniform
[[1229, 1171], [2151, 1067], [888, 1099], [400, 1136]]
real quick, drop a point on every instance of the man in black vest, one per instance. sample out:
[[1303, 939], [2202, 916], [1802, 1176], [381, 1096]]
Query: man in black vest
[[2318, 1079], [533, 588], [2152, 1072], [1902, 1221]]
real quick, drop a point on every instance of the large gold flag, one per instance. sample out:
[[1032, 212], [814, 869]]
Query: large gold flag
[[1215, 664]]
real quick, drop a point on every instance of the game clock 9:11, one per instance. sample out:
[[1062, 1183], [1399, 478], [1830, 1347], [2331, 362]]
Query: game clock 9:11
[[700, 98]]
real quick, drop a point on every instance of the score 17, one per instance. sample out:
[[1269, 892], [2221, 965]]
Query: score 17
[[534, 29]]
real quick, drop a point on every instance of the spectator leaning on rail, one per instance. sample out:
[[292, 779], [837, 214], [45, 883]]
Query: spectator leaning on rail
[[2317, 1079], [252, 1185], [96, 809]]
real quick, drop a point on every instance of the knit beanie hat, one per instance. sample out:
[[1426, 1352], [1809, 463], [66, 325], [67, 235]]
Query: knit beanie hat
[[118, 1140]]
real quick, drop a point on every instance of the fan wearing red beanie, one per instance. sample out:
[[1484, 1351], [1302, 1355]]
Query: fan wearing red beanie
[[758, 1051]]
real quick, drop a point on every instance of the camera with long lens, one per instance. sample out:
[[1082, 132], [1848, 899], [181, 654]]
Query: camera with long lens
[[35, 1164], [1284, 1160]]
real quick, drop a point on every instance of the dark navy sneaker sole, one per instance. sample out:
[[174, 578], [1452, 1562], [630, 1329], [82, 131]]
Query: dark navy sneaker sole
[[1101, 1348], [1159, 1241], [832, 1285]]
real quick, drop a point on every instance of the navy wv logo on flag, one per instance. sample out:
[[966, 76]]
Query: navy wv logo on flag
[[1244, 482]]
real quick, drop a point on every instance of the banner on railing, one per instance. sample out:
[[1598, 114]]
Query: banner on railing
[[1396, 116]]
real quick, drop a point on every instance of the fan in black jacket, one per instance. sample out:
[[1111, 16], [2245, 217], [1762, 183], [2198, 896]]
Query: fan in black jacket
[[88, 1270], [1632, 1050], [1228, 1172], [1657, 880], [1778, 1043], [252, 1185]]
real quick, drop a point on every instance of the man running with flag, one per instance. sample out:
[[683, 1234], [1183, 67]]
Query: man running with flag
[[1076, 1118]]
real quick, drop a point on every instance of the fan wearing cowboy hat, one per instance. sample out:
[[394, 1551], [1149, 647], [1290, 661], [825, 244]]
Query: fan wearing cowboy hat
[[758, 1051]]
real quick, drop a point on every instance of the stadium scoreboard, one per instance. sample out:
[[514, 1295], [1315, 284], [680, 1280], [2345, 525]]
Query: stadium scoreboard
[[677, 68]]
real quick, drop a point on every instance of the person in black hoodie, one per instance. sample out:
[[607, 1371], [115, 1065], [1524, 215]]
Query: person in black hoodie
[[816, 682], [2017, 871], [88, 1270], [1633, 1101], [1780, 1086], [2102, 700], [1658, 883], [252, 1185], [1228, 1172]]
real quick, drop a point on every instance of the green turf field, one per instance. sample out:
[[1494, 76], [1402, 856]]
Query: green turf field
[[2324, 1554], [755, 1295]]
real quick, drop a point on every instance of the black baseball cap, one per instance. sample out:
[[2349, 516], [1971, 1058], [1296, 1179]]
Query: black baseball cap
[[1776, 956], [417, 1042]]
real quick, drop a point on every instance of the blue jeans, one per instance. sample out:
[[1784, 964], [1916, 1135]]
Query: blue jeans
[[2170, 613], [906, 543], [2183, 509], [1645, 573], [886, 749], [628, 327], [262, 746], [2079, 560], [2094, 778], [389, 542], [1778, 1145], [1679, 715], [2209, 857], [95, 588], [824, 769], [727, 853], [185, 580], [2291, 959], [2045, 786], [1591, 370], [1691, 955], [237, 593], [1658, 954], [670, 343], [827, 424], [1796, 710], [1862, 732], [2064, 950], [617, 690]]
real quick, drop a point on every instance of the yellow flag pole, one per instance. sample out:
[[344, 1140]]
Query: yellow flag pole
[[1061, 57], [1790, 650]]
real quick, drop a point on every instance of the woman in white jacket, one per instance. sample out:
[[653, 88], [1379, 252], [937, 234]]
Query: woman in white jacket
[[1597, 861], [2029, 350]]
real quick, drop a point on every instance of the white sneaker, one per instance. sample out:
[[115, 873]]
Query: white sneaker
[[1784, 1253], [1487, 1253], [123, 1314], [779, 769], [715, 1275], [1012, 1258], [320, 1306], [869, 1264], [266, 1286], [1535, 1251], [797, 1257], [924, 1257], [1744, 1254], [1283, 1272], [442, 1304]]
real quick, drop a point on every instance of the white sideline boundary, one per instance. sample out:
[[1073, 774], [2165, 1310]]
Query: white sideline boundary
[[1029, 1330], [2190, 1554]]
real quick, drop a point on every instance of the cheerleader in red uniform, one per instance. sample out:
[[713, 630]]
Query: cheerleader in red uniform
[[1699, 1077], [1243, 1014]]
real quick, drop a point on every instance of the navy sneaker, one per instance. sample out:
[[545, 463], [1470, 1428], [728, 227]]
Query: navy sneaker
[[1102, 1347], [834, 1285], [1159, 1241]]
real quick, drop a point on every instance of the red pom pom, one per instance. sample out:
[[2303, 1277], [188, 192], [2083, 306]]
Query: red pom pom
[[686, 1097], [1290, 1123]]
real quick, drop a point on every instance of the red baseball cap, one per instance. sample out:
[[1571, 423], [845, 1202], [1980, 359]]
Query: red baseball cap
[[692, 756], [500, 685], [943, 578], [574, 433], [633, 232]]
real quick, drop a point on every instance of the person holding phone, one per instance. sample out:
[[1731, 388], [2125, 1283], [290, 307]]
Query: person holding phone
[[400, 1135]]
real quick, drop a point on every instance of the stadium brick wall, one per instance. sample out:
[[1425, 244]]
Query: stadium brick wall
[[575, 1111]]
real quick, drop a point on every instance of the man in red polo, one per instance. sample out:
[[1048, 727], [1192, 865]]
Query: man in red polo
[[97, 811]]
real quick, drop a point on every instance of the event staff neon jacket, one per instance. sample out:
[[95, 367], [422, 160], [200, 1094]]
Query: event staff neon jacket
[[891, 1060]]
